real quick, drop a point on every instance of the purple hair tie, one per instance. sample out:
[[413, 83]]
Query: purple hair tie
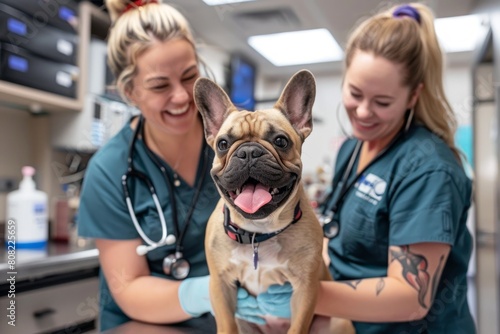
[[407, 10]]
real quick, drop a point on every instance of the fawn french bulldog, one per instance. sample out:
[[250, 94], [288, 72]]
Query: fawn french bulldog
[[264, 230]]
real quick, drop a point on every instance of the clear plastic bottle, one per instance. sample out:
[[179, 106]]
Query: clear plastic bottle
[[27, 208]]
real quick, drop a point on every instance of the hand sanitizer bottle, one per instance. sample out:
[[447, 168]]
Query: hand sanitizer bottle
[[27, 211]]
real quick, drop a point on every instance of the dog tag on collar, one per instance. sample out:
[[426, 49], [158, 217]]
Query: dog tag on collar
[[255, 252], [255, 258]]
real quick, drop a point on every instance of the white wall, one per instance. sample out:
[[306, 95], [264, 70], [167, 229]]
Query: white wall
[[216, 60], [458, 89], [23, 141], [15, 147]]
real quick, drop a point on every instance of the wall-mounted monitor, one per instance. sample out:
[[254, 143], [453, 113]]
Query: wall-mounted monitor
[[241, 82]]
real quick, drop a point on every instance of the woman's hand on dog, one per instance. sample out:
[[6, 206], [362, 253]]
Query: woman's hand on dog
[[248, 309], [271, 312], [274, 303]]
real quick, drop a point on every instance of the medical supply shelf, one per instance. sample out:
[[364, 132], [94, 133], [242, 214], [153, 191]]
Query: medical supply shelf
[[92, 22]]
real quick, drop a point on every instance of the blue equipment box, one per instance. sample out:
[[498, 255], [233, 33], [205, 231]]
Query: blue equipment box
[[18, 29], [62, 14], [19, 66]]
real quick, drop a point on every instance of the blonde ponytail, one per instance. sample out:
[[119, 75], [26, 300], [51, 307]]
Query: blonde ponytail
[[411, 40]]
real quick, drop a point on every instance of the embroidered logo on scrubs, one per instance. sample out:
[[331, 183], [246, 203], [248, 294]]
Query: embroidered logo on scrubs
[[371, 188]]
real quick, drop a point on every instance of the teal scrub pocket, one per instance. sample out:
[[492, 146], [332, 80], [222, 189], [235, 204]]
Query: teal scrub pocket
[[363, 240]]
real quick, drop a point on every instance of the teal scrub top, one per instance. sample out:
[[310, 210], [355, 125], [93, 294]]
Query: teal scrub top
[[416, 192], [103, 212]]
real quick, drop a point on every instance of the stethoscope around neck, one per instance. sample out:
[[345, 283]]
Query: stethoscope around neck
[[329, 215], [173, 264], [328, 219]]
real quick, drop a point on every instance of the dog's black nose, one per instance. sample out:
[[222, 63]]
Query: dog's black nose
[[248, 152]]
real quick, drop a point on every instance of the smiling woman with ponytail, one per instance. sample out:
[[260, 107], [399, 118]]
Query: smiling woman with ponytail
[[147, 194], [398, 245]]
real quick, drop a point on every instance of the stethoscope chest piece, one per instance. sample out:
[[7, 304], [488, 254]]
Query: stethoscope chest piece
[[330, 225], [176, 265], [331, 230]]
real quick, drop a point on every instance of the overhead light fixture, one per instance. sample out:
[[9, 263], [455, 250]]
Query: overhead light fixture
[[222, 2], [458, 33], [297, 47]]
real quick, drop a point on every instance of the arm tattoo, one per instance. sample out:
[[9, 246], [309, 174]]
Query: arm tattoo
[[352, 284], [435, 281], [414, 270], [380, 286]]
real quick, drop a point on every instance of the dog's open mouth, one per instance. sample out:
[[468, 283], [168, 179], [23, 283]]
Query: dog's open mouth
[[252, 195]]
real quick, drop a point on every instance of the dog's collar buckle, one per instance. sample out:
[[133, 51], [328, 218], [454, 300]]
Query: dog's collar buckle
[[232, 232], [245, 237]]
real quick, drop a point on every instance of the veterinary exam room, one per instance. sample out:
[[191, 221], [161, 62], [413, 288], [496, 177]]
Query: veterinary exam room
[[275, 166]]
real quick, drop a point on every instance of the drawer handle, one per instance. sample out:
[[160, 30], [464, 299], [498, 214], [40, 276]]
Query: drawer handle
[[44, 312]]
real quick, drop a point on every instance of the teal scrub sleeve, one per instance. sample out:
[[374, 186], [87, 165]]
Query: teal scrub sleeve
[[427, 207], [102, 212]]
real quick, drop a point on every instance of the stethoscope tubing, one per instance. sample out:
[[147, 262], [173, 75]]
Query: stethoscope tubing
[[165, 238], [143, 235], [180, 234], [344, 188]]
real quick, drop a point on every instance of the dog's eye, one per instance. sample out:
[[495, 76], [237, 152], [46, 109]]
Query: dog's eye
[[222, 145], [281, 142]]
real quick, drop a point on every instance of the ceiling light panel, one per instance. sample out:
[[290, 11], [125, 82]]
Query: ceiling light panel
[[458, 33], [222, 2], [298, 47]]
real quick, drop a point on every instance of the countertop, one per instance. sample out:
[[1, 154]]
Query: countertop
[[202, 325], [205, 325], [56, 258]]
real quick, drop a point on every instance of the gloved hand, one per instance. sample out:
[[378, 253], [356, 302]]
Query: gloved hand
[[194, 295], [247, 308], [276, 301]]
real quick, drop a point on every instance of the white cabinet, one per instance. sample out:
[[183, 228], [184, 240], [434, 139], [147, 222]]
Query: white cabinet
[[71, 307]]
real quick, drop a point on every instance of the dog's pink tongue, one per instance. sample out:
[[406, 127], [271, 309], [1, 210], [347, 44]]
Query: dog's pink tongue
[[253, 197]]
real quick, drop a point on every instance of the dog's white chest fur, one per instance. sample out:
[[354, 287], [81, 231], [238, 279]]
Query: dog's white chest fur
[[269, 268]]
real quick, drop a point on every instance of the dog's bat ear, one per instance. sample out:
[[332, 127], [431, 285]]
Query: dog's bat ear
[[296, 101], [213, 104]]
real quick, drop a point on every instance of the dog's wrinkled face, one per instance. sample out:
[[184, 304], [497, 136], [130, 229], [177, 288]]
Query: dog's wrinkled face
[[257, 165]]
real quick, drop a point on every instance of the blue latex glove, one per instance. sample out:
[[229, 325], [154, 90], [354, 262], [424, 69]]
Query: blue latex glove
[[194, 296], [247, 308], [276, 301]]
